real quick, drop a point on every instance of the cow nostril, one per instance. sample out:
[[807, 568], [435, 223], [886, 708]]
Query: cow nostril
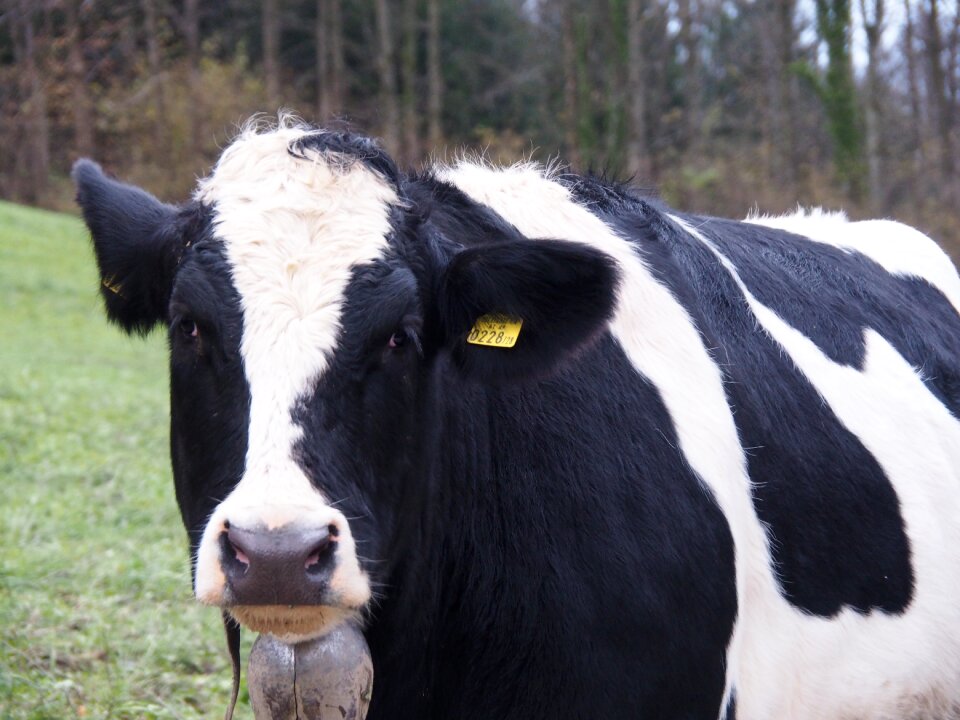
[[241, 556], [321, 551], [233, 550]]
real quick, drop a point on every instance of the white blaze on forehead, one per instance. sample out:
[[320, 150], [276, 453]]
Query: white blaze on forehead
[[293, 229]]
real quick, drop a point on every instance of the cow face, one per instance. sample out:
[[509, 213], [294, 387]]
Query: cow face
[[307, 299]]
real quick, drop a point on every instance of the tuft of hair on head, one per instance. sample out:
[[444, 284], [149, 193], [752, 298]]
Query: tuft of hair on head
[[340, 149], [343, 149]]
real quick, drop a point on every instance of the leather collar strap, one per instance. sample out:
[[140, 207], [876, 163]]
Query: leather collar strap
[[232, 629]]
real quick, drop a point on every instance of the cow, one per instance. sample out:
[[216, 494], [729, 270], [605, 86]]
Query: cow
[[563, 451]]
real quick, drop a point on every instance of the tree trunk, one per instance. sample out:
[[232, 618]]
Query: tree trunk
[[638, 159], [778, 122], [953, 58], [411, 119], [388, 86], [587, 140], [913, 82], [35, 125], [938, 89], [789, 153], [571, 96], [839, 94], [322, 45], [338, 79], [772, 110], [434, 76], [156, 74], [951, 102], [80, 99], [873, 27], [270, 29], [687, 12], [191, 31], [615, 28]]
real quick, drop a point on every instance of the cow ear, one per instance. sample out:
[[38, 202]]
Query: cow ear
[[137, 243], [563, 293]]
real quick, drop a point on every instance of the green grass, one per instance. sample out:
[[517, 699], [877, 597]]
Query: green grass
[[96, 614]]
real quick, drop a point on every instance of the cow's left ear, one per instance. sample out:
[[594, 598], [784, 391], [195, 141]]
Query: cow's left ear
[[562, 293], [137, 243]]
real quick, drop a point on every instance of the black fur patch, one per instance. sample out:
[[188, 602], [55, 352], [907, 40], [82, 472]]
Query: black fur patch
[[569, 551], [456, 217], [209, 393]]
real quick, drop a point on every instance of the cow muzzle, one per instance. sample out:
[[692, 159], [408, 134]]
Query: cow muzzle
[[288, 566], [282, 571]]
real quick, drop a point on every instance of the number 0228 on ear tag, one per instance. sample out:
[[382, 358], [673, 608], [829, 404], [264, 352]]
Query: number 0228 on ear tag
[[495, 331]]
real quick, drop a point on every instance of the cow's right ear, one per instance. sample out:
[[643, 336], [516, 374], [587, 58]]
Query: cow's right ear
[[518, 309], [137, 244]]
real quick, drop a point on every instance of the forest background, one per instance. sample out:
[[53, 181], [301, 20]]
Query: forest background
[[722, 106]]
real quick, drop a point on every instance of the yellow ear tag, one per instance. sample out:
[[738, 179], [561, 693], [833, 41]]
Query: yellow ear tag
[[114, 287], [495, 331]]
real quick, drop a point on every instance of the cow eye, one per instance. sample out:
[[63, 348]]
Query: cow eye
[[403, 338], [188, 327], [398, 339]]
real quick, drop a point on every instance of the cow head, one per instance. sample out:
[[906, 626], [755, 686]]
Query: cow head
[[308, 299]]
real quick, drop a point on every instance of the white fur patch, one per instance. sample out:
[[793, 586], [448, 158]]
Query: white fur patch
[[293, 229], [873, 666], [898, 248]]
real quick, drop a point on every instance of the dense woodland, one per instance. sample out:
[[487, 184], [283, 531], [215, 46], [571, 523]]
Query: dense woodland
[[720, 105]]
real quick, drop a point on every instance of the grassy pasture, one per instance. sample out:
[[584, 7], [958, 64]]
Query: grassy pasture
[[96, 615]]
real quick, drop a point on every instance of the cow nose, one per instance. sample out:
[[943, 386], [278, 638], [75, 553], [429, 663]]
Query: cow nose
[[288, 566]]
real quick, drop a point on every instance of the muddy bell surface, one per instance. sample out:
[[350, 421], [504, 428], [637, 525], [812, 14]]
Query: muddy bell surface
[[328, 678]]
